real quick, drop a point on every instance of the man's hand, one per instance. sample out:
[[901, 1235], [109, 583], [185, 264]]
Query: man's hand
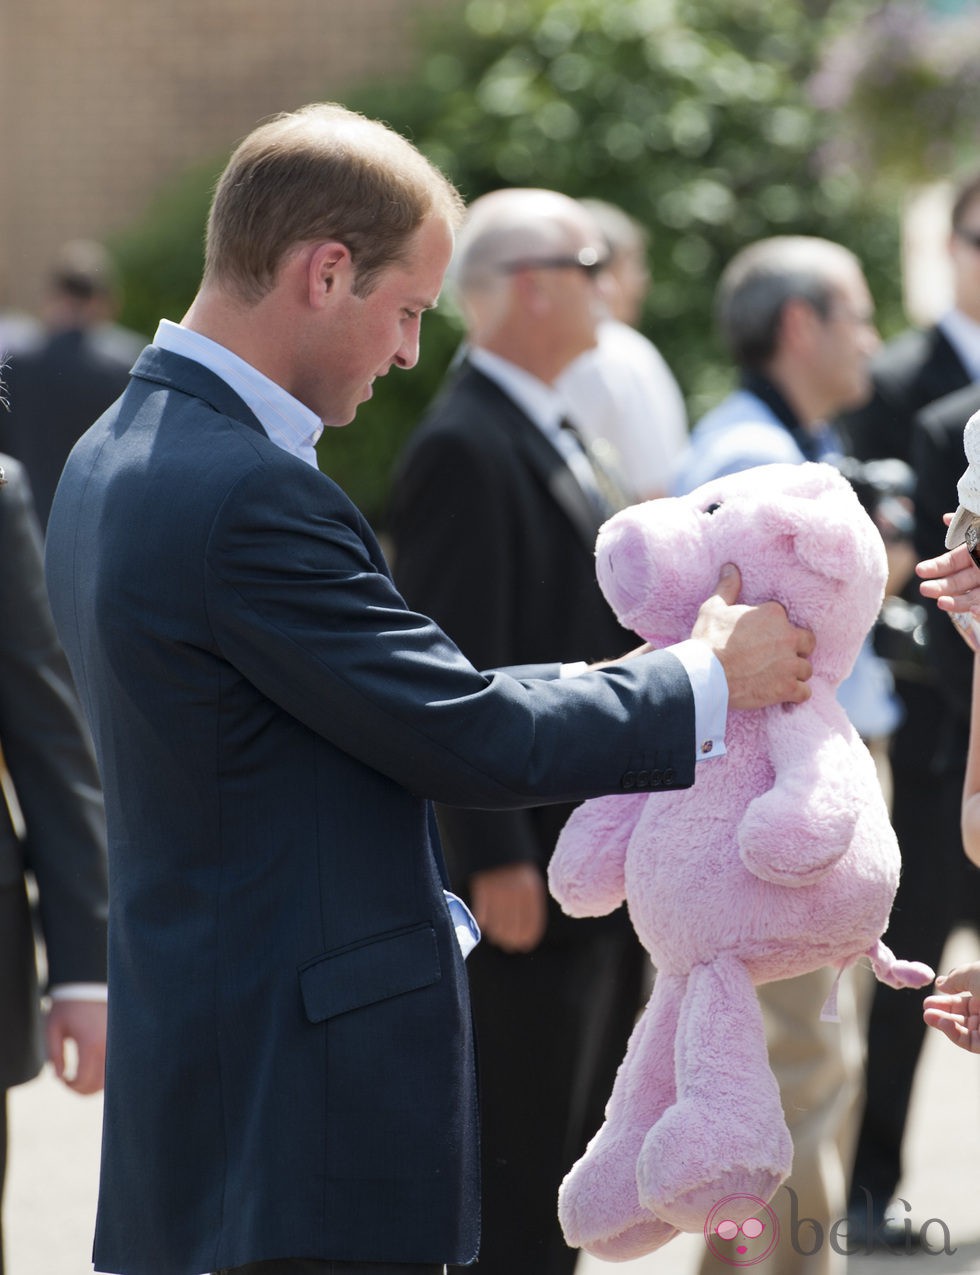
[[765, 658], [84, 1024], [955, 1010], [952, 580], [510, 905]]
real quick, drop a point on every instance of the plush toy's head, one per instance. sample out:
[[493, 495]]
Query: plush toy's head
[[797, 534]]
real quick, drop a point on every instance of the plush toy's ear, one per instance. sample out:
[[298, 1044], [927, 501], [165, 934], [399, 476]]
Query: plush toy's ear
[[823, 536], [831, 532]]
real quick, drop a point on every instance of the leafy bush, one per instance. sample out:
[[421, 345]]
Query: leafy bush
[[693, 115]]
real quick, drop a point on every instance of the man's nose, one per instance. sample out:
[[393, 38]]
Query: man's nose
[[408, 352]]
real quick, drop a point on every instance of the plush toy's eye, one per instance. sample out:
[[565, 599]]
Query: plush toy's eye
[[713, 506]]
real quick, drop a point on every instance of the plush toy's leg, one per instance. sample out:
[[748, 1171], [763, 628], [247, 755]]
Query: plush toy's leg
[[598, 1204], [726, 1134]]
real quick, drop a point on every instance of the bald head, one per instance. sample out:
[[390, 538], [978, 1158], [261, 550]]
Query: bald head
[[508, 227], [524, 273]]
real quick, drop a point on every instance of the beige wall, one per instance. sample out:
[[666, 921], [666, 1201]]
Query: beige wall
[[101, 101]]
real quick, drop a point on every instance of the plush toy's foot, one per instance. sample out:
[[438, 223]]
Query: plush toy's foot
[[598, 1205], [683, 1190], [600, 1211], [726, 1134], [637, 1241]]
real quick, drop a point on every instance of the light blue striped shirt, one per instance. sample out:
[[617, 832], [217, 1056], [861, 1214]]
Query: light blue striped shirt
[[290, 424]]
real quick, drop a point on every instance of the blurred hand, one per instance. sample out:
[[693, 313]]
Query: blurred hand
[[952, 580], [510, 904], [765, 658], [74, 1032], [955, 1010]]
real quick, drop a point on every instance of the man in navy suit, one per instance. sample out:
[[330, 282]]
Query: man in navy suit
[[290, 1076]]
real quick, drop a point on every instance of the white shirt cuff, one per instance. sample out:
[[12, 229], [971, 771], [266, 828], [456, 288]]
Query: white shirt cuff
[[710, 687], [573, 670], [79, 992]]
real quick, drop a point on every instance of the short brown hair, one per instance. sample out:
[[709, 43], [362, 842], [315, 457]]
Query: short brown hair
[[322, 172]]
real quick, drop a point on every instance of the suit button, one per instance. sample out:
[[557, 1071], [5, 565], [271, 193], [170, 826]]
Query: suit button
[[629, 779], [643, 779], [669, 775], [656, 779]]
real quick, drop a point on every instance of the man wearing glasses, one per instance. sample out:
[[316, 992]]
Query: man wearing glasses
[[494, 518]]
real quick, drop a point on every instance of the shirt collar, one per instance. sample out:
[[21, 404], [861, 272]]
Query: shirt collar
[[818, 442], [288, 422], [963, 334], [539, 401]]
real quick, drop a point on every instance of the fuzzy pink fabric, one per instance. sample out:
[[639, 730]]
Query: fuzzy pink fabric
[[779, 860]]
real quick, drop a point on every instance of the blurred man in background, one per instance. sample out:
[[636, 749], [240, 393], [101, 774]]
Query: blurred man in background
[[494, 517], [798, 318], [621, 395], [78, 363], [52, 833]]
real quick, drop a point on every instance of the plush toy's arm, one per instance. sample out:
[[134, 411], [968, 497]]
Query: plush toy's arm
[[586, 873], [797, 830]]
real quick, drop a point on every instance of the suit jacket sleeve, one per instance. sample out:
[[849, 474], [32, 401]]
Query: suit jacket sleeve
[[49, 754], [301, 606]]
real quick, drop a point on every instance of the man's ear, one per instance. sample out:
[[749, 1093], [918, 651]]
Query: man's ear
[[329, 268], [797, 323]]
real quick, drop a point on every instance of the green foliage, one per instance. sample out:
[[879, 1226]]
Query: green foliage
[[693, 115], [160, 258]]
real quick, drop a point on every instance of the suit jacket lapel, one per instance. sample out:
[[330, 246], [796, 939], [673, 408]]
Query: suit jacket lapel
[[542, 457], [946, 368]]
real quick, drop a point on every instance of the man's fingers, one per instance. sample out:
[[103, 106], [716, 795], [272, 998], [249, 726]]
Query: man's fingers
[[805, 646], [729, 583]]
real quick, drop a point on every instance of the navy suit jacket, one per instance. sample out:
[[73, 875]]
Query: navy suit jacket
[[290, 1067]]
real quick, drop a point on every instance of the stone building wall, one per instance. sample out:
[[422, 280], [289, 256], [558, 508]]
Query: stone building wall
[[103, 101]]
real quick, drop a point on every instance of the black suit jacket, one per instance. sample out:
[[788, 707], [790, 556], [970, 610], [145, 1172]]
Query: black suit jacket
[[50, 760], [939, 461], [56, 388], [909, 372], [495, 539]]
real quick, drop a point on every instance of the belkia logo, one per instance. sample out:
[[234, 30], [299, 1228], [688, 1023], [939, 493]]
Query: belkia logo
[[741, 1230]]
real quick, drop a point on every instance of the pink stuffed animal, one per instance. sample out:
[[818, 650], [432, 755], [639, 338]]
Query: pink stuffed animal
[[779, 860]]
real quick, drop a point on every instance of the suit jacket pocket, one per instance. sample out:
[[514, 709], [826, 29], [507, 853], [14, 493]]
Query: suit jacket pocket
[[372, 971]]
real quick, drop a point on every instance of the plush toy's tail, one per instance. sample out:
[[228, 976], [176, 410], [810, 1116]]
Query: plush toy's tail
[[888, 969]]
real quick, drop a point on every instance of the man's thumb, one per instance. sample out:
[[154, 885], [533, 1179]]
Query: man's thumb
[[729, 583]]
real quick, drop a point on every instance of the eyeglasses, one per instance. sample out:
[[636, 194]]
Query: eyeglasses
[[972, 237], [587, 260]]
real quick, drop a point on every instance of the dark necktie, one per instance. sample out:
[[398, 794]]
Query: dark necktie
[[595, 478]]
